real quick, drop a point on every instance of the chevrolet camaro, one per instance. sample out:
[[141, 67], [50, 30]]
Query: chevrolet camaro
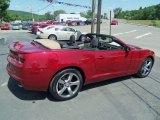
[[63, 68]]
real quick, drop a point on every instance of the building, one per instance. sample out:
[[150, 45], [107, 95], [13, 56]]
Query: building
[[72, 17]]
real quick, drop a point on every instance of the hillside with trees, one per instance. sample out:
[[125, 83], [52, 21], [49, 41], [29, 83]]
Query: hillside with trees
[[21, 15], [147, 13]]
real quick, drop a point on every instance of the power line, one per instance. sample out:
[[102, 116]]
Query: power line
[[44, 7], [74, 5], [61, 3]]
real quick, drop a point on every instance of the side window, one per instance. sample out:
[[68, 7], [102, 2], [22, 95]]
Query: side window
[[65, 29], [108, 43], [71, 29], [50, 27], [57, 29], [68, 29]]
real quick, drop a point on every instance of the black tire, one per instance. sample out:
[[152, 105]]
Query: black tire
[[72, 38], [59, 84], [141, 72], [52, 37], [82, 38]]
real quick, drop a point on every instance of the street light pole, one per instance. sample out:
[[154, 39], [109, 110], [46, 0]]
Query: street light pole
[[31, 12], [99, 16], [93, 15], [110, 14]]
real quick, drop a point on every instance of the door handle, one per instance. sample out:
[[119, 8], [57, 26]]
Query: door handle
[[100, 57]]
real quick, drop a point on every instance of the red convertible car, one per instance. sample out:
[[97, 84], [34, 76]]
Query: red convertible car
[[64, 67]]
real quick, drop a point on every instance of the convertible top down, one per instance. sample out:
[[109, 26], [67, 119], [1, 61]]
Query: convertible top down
[[64, 67]]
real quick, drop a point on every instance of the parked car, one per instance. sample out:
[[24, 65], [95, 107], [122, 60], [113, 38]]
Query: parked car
[[34, 27], [58, 33], [60, 23], [44, 64], [30, 27], [72, 23], [25, 26], [89, 21], [75, 23], [114, 22], [15, 26], [5, 27]]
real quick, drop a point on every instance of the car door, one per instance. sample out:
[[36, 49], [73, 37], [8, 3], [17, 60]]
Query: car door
[[67, 32], [111, 59]]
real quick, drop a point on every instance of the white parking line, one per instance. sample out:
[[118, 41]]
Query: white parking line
[[130, 31], [143, 35], [124, 33], [4, 84]]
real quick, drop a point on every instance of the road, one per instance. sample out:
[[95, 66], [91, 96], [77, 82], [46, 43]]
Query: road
[[126, 98]]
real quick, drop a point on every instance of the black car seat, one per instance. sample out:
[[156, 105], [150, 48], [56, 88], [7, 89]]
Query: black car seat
[[94, 43], [72, 43]]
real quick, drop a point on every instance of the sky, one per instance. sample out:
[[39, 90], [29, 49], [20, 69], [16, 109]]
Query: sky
[[41, 7]]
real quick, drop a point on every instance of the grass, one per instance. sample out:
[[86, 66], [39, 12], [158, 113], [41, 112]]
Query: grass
[[155, 23]]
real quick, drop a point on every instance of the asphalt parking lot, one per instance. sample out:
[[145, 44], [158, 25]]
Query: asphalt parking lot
[[126, 98]]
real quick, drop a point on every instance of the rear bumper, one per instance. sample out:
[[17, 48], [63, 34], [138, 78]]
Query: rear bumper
[[12, 74], [28, 80]]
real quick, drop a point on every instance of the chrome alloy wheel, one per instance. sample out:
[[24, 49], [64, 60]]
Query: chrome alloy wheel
[[147, 66], [68, 85]]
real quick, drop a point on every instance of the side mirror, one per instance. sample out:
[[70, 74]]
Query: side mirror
[[127, 49]]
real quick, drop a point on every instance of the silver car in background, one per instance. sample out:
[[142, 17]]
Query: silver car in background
[[16, 26], [58, 33]]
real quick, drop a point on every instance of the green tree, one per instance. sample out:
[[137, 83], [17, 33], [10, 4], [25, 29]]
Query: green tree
[[48, 16], [157, 12], [4, 4], [117, 12], [57, 12], [147, 13], [87, 14]]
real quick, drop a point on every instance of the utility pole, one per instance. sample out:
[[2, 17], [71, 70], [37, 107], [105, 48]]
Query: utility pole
[[31, 12], [110, 22], [93, 15], [99, 16]]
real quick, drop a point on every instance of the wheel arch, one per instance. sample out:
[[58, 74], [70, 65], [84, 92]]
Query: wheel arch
[[52, 34], [71, 67], [150, 56]]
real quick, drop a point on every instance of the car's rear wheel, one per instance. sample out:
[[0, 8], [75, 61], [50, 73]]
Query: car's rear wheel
[[145, 68], [66, 84], [52, 37]]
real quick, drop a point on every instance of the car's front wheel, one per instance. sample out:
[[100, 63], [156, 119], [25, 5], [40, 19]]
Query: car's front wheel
[[66, 84], [145, 68], [52, 37]]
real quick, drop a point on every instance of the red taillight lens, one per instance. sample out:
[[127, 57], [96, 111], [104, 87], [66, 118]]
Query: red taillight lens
[[21, 58], [40, 31]]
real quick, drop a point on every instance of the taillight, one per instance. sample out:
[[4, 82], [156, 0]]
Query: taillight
[[40, 31], [21, 58]]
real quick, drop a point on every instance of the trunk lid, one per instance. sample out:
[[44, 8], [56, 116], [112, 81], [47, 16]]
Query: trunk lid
[[27, 47], [19, 50]]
